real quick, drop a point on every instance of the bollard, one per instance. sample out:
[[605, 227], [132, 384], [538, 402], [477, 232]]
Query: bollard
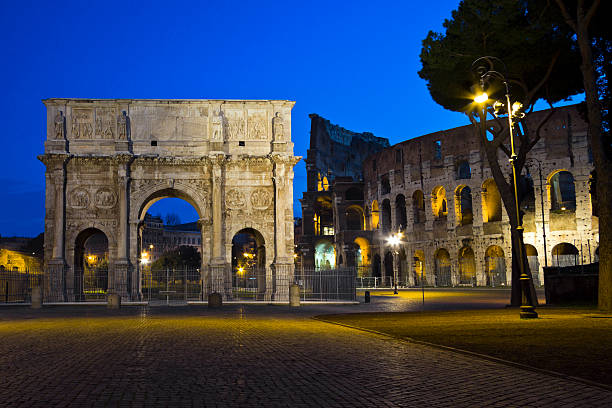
[[294, 295], [113, 301], [36, 298], [215, 300], [367, 296]]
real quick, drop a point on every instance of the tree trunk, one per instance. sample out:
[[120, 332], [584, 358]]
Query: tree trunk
[[603, 167]]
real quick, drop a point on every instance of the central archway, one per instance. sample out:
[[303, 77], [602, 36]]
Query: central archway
[[169, 254]]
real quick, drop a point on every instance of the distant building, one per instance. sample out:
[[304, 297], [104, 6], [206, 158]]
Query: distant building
[[439, 191], [333, 206], [12, 260], [158, 238]]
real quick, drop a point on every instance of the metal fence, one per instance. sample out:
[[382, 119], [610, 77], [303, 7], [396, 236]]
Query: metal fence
[[90, 284], [171, 284], [327, 284], [374, 282], [16, 285]]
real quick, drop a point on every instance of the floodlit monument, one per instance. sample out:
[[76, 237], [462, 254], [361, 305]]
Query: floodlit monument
[[108, 160]]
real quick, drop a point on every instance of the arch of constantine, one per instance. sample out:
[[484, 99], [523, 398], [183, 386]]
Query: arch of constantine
[[107, 161]]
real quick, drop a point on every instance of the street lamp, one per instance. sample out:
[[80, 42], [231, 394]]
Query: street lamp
[[394, 240], [484, 68]]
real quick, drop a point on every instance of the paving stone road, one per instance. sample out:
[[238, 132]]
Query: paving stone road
[[247, 356]]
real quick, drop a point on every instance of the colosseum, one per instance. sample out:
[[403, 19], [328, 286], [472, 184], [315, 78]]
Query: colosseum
[[438, 191]]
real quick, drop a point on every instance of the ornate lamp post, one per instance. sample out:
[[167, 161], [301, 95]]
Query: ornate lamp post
[[484, 68], [394, 240]]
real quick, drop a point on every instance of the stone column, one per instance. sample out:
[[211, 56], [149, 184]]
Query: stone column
[[204, 224], [217, 262], [283, 265], [56, 289], [393, 215], [122, 263]]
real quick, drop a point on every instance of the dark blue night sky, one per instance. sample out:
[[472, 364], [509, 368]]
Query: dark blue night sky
[[354, 63]]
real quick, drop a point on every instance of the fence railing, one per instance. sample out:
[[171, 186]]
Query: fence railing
[[16, 286], [171, 284], [327, 284], [90, 284]]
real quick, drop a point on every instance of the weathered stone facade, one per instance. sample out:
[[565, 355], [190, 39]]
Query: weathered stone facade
[[438, 190], [333, 221], [108, 161]]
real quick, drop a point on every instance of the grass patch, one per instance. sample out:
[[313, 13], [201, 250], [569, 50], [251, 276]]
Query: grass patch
[[575, 342]]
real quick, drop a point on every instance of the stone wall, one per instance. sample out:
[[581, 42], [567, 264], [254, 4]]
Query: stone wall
[[432, 163]]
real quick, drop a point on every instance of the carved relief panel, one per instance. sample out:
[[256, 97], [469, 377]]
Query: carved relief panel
[[257, 125], [233, 125], [82, 123], [105, 123]]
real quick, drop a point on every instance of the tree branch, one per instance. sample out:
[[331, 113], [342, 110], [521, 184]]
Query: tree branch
[[591, 12], [544, 79], [568, 19]]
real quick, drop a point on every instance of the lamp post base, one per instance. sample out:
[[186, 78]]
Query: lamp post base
[[528, 312]]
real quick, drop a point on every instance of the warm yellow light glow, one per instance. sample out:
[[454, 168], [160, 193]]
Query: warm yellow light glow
[[481, 98], [393, 240], [563, 208], [144, 261], [295, 255], [240, 270], [144, 255], [91, 258], [151, 246]]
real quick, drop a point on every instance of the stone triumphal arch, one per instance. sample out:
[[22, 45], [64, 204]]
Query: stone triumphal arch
[[107, 161]]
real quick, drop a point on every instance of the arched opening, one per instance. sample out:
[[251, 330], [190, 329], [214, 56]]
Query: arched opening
[[562, 192], [248, 264], [386, 215], [418, 207], [91, 265], [325, 255], [376, 272], [463, 170], [354, 194], [463, 205], [362, 253], [385, 186], [400, 211], [495, 266], [323, 217], [438, 202], [322, 183], [467, 266], [170, 247], [491, 202], [564, 254], [389, 268], [442, 274], [534, 263], [420, 275], [375, 214], [354, 218]]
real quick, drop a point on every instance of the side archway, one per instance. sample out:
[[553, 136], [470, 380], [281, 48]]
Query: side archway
[[442, 262], [467, 266], [91, 271], [495, 264]]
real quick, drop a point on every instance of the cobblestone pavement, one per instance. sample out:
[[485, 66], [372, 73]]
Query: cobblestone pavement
[[247, 356]]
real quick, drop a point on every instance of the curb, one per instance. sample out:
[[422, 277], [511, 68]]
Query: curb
[[473, 354]]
